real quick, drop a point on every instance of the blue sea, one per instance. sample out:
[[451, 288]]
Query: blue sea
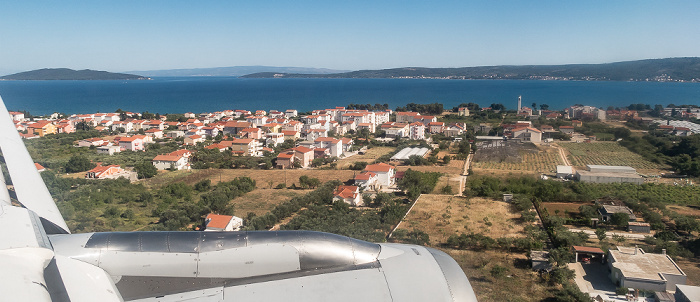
[[207, 94]]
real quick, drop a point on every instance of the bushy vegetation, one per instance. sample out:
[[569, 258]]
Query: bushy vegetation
[[415, 183]]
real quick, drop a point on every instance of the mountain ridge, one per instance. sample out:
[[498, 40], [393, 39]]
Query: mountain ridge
[[686, 69]]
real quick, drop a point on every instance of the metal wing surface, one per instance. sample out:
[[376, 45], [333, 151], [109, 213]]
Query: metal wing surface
[[30, 188]]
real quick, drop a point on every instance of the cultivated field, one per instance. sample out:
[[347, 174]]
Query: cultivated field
[[606, 153], [517, 157], [561, 208]]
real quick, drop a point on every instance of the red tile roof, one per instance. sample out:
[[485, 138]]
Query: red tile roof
[[217, 221]]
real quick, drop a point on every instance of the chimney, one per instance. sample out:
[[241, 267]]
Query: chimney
[[635, 249], [663, 252]]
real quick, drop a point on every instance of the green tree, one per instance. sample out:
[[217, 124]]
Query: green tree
[[78, 163], [145, 170], [600, 233], [619, 219]]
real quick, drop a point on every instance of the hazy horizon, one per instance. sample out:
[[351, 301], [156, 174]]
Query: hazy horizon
[[163, 35]]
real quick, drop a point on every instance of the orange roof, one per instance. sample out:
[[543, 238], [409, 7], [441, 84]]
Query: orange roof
[[251, 130], [242, 141], [181, 152], [290, 132], [365, 176], [285, 155], [100, 169], [128, 139], [345, 191], [436, 124], [302, 149], [217, 221], [215, 146], [164, 157], [586, 249], [327, 139], [380, 167], [407, 113]]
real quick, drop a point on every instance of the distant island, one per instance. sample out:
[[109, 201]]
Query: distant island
[[654, 70], [70, 74], [233, 71]]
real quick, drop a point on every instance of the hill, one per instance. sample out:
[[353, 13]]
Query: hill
[[70, 74], [660, 70], [233, 71]]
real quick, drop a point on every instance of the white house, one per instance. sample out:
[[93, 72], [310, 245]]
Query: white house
[[335, 146], [385, 173], [215, 222], [348, 194], [174, 161]]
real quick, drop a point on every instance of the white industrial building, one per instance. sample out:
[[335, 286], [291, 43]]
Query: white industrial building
[[565, 171], [609, 174], [633, 268]]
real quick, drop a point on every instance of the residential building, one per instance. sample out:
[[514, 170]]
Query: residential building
[[105, 172], [193, 139], [109, 149], [385, 173], [366, 180], [463, 111], [42, 128], [334, 146], [631, 267], [348, 194], [215, 222], [527, 134], [131, 143], [436, 127], [171, 161], [246, 147], [417, 131]]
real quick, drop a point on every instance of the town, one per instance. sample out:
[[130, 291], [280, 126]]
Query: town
[[533, 203]]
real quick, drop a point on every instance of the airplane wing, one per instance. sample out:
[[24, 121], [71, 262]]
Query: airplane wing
[[199, 266], [30, 188]]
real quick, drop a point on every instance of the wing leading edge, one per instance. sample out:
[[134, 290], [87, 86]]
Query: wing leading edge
[[30, 188]]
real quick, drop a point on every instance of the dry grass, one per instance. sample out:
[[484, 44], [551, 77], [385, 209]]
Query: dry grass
[[369, 156], [563, 207], [519, 283], [441, 216], [261, 201], [685, 210], [444, 215], [691, 267]]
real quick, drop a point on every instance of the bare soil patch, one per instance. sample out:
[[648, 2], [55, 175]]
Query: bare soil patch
[[441, 216], [370, 156]]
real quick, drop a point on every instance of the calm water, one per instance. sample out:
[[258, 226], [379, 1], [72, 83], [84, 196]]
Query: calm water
[[206, 94]]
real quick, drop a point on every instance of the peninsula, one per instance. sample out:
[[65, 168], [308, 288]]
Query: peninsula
[[70, 74]]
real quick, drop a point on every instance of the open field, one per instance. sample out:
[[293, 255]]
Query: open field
[[686, 210], [561, 208], [441, 216], [369, 156], [527, 157], [607, 153], [261, 201], [518, 283], [444, 215]]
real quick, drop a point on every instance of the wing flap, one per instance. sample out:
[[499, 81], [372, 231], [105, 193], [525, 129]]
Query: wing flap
[[85, 282]]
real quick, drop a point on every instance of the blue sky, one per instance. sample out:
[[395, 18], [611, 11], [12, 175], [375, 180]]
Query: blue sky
[[350, 35]]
